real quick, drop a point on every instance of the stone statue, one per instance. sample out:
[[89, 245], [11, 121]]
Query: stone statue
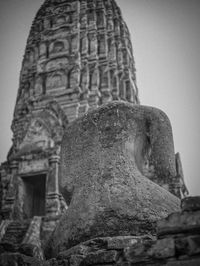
[[102, 177]]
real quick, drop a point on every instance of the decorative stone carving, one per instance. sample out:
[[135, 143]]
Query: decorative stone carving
[[102, 45], [110, 24], [75, 44], [92, 44], [60, 20], [101, 21], [74, 77], [84, 44], [83, 20], [85, 79], [43, 50], [55, 81], [76, 33], [94, 79], [39, 85], [111, 49], [47, 23], [31, 56], [91, 17], [104, 78], [116, 26], [56, 64], [58, 47], [37, 136]]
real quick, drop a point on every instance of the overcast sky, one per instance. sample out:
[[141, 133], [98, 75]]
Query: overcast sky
[[166, 41]]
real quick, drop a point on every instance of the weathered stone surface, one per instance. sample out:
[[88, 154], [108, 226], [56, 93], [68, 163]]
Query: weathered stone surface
[[75, 260], [179, 223], [122, 242], [191, 204], [104, 243], [101, 257], [102, 175], [188, 262], [29, 250], [139, 252], [164, 248], [188, 245], [17, 259]]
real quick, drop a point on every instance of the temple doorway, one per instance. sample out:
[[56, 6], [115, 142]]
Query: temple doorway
[[34, 195]]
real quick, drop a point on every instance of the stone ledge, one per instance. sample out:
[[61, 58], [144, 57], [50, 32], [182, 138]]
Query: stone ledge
[[191, 204], [179, 223]]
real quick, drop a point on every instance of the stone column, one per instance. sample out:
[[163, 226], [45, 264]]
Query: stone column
[[52, 192]]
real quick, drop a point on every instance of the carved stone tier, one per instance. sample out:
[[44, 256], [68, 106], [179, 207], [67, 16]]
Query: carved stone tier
[[77, 52]]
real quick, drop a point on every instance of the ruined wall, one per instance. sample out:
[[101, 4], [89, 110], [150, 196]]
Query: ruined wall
[[177, 244]]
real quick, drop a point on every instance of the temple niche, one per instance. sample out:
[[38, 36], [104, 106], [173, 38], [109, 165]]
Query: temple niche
[[37, 136], [84, 44], [59, 46], [101, 21], [31, 56], [111, 49], [43, 50], [56, 81], [94, 78], [75, 44], [83, 20], [85, 78], [93, 44], [38, 90], [60, 20], [102, 45], [91, 17], [74, 80], [110, 24], [55, 64]]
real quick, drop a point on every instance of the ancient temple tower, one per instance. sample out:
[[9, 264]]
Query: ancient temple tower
[[78, 56]]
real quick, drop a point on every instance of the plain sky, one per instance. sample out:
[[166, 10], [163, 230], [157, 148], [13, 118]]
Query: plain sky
[[166, 42]]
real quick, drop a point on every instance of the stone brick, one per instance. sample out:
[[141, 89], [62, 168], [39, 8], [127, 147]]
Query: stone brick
[[52, 262], [8, 246], [189, 262], [140, 252], [122, 242], [164, 248], [182, 246], [194, 244], [75, 260], [191, 204], [29, 250], [101, 257], [15, 259], [81, 249], [179, 223]]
